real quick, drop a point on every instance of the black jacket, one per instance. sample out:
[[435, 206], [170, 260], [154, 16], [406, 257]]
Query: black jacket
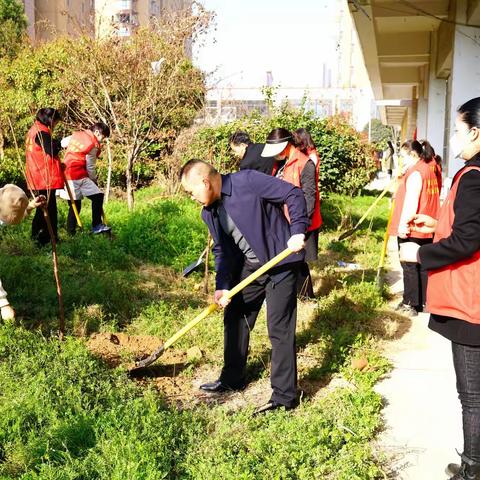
[[254, 202], [252, 160]]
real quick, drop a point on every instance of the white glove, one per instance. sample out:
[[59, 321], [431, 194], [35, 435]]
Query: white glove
[[409, 252], [296, 242], [65, 141], [7, 312]]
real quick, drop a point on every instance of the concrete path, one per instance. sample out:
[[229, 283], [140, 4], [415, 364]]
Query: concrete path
[[422, 412]]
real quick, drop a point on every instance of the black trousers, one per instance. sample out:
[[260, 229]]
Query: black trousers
[[466, 360], [97, 203], [239, 319], [414, 277], [39, 225]]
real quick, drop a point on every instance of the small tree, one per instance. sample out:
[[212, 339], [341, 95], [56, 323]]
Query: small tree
[[145, 87], [379, 133]]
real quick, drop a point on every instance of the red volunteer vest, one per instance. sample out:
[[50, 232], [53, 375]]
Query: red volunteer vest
[[292, 174], [428, 203], [75, 158], [317, 215], [42, 171], [454, 290]]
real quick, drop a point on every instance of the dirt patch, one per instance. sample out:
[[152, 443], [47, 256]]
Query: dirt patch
[[117, 348], [178, 380]]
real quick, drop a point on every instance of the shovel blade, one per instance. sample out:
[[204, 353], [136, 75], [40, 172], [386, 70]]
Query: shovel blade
[[346, 234], [192, 267], [149, 360]]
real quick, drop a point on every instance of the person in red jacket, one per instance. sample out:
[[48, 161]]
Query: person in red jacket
[[453, 265], [83, 149], [417, 193], [43, 170], [295, 167]]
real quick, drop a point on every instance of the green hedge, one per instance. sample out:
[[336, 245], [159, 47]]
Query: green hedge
[[346, 158]]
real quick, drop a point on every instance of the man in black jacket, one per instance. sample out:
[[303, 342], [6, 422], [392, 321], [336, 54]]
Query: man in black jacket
[[250, 153], [244, 214]]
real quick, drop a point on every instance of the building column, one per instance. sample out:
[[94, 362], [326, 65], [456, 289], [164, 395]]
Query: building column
[[422, 112], [29, 6], [465, 76], [412, 112], [437, 97]]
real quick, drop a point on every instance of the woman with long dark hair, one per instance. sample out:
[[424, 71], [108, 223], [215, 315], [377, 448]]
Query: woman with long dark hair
[[453, 265], [417, 193], [43, 166], [297, 168]]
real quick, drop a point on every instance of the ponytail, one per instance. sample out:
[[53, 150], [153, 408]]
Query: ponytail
[[424, 150], [428, 153]]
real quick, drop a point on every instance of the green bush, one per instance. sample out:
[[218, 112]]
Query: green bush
[[11, 167], [346, 159]]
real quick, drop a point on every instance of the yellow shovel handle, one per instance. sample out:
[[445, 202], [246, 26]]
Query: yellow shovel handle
[[211, 308], [373, 205], [72, 201]]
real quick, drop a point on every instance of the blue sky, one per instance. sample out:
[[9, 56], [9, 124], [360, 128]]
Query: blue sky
[[292, 38]]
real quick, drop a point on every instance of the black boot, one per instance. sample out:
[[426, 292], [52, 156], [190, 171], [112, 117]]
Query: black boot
[[468, 470]]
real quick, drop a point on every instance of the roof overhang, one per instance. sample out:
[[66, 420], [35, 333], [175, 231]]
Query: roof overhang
[[397, 38]]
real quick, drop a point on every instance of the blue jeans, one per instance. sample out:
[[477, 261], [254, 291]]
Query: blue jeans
[[466, 360]]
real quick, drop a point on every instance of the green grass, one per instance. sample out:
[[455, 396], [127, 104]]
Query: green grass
[[65, 414]]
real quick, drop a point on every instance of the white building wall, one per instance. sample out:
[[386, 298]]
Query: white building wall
[[465, 76]]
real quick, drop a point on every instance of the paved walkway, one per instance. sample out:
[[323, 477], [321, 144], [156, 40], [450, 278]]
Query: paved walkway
[[422, 413]]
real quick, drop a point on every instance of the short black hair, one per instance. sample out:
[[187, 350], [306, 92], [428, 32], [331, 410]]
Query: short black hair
[[185, 170], [239, 137], [278, 135], [103, 128], [47, 116]]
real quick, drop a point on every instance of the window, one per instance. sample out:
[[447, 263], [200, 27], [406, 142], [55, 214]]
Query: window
[[124, 4]]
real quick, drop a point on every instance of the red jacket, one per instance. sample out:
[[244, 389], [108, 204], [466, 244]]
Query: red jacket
[[292, 174], [42, 171], [75, 159], [453, 290], [428, 203]]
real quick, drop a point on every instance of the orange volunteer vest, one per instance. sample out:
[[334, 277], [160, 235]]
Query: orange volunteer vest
[[75, 159], [42, 171], [428, 203], [454, 290], [292, 174]]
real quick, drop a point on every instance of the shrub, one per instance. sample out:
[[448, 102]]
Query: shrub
[[346, 159]]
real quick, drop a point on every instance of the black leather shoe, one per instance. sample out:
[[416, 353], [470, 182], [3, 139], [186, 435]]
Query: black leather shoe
[[270, 406], [219, 387]]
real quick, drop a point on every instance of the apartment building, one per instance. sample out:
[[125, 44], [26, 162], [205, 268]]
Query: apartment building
[[50, 18]]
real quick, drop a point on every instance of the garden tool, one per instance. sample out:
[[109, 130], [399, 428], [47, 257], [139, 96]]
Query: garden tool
[[70, 195], [381, 263], [193, 266], [346, 234], [210, 309], [104, 217]]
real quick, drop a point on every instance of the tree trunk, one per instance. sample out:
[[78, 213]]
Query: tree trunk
[[109, 172], [61, 309], [129, 175]]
